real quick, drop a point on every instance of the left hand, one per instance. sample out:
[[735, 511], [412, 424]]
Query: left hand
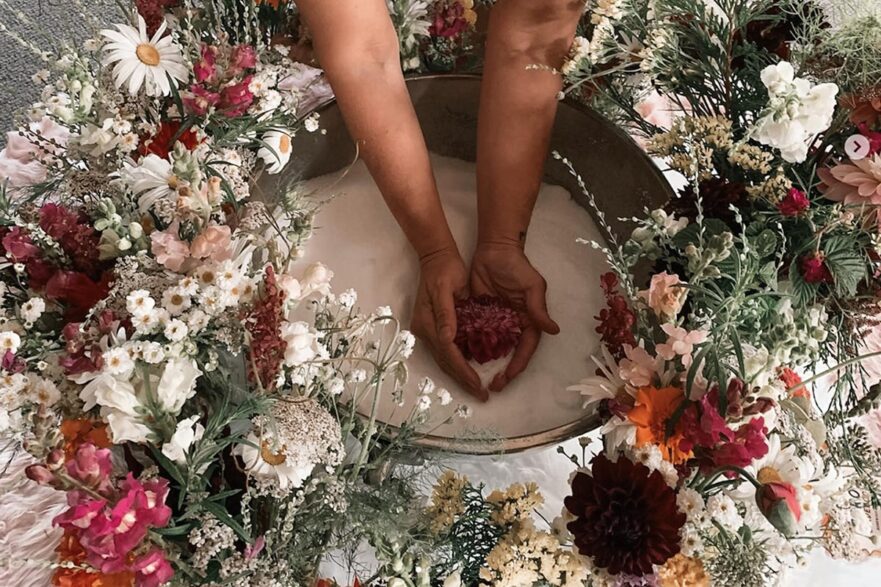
[[502, 270]]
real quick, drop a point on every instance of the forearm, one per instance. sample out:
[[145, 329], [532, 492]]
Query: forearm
[[517, 110], [356, 45]]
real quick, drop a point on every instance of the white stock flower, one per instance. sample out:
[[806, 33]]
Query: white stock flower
[[177, 384], [302, 343], [142, 60], [187, 432]]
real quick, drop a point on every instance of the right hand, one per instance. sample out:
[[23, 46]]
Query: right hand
[[444, 279]]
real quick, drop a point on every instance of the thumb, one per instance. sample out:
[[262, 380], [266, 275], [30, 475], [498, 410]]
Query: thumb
[[444, 309], [537, 309]]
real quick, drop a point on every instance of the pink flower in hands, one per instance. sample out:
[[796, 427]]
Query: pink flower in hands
[[81, 514], [19, 245], [212, 243], [152, 569], [487, 328], [169, 249]]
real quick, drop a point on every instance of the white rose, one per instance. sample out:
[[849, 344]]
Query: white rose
[[316, 279], [188, 431], [302, 343], [177, 384]]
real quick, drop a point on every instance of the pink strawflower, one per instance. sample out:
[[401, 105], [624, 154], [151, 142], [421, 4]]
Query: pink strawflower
[[205, 70], [200, 101], [152, 569], [243, 57], [814, 269], [794, 203], [487, 328], [237, 98]]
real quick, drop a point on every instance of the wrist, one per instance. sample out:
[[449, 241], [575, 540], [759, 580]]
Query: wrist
[[502, 239], [429, 254]]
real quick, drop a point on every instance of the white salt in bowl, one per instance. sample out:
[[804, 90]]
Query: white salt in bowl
[[359, 240]]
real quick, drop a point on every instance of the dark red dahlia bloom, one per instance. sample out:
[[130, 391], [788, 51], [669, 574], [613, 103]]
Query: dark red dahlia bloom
[[615, 322], [487, 328], [626, 516]]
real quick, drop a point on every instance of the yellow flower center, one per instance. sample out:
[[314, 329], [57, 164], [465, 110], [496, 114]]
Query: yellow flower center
[[148, 54], [769, 475], [273, 458]]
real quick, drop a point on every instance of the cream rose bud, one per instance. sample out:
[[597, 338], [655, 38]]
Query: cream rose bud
[[188, 431], [316, 279], [302, 343], [665, 295]]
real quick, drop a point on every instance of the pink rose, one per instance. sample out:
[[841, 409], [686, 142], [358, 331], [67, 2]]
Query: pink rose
[[212, 243], [665, 295], [168, 249]]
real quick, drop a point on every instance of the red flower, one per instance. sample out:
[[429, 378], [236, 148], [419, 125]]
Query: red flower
[[162, 143], [199, 100], [702, 425], [263, 323], [814, 269], [615, 322], [794, 203], [237, 98], [749, 443], [77, 291], [487, 328], [778, 501], [75, 234], [153, 12], [242, 57], [449, 21], [205, 69], [626, 517]]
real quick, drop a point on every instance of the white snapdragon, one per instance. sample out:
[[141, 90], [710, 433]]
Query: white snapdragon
[[177, 384], [796, 113], [187, 432]]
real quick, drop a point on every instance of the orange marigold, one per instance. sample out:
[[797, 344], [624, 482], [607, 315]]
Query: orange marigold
[[70, 550], [79, 431], [651, 412]]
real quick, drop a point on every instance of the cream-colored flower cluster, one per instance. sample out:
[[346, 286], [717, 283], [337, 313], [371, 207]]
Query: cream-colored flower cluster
[[692, 142], [526, 556], [446, 501], [515, 504]]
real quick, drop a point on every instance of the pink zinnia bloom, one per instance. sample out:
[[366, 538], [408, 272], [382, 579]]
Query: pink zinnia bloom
[[152, 569]]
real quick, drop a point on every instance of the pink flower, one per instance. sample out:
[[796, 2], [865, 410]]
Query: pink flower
[[856, 182], [702, 425], [212, 243], [794, 203], [20, 174], [237, 98], [254, 550], [638, 367], [92, 467], [205, 69], [200, 100], [243, 57], [449, 21], [665, 295], [169, 249], [749, 444], [814, 270], [152, 569], [19, 245], [81, 514], [680, 342], [657, 109]]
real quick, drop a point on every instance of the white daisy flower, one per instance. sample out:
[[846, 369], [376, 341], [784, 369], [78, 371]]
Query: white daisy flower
[[176, 330], [145, 321], [153, 178], [139, 301], [276, 150], [197, 320], [117, 361], [139, 59], [175, 301], [32, 309], [9, 342], [152, 352]]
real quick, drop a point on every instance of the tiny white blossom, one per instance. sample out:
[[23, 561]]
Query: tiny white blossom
[[424, 403], [118, 361], [176, 330], [444, 397], [139, 301]]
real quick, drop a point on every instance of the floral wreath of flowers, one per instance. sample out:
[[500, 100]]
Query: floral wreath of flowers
[[187, 384]]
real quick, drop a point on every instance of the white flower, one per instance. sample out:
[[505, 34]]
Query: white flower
[[139, 301], [311, 122], [444, 397], [101, 138], [336, 386], [139, 59], [348, 298], [43, 391], [175, 301], [424, 403], [407, 342], [187, 432], [721, 508], [316, 279], [797, 112], [177, 384], [152, 352], [126, 427], [276, 150], [117, 361], [9, 342], [690, 502], [32, 309], [597, 388], [146, 321], [175, 330], [197, 320], [152, 178], [302, 343], [383, 312]]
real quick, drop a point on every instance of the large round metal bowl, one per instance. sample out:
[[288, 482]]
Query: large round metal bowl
[[615, 169]]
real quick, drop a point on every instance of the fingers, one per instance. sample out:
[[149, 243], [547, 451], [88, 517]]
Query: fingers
[[537, 309], [450, 359], [444, 308], [522, 355]]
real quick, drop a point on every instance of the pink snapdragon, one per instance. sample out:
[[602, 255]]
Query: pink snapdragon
[[169, 249], [92, 467], [235, 99], [243, 57], [152, 569], [205, 70], [665, 295], [212, 243], [200, 100]]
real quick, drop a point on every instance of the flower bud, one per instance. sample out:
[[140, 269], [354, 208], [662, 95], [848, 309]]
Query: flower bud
[[778, 501], [40, 474]]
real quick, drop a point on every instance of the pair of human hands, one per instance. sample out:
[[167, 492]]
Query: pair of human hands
[[498, 269]]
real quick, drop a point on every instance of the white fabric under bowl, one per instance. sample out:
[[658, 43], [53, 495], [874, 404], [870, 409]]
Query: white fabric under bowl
[[357, 237]]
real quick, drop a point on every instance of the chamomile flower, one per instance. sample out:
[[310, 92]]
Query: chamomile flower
[[140, 60], [276, 150], [176, 301], [117, 361], [175, 330], [139, 301]]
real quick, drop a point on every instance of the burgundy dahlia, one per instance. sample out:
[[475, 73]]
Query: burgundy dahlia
[[487, 328], [626, 516]]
